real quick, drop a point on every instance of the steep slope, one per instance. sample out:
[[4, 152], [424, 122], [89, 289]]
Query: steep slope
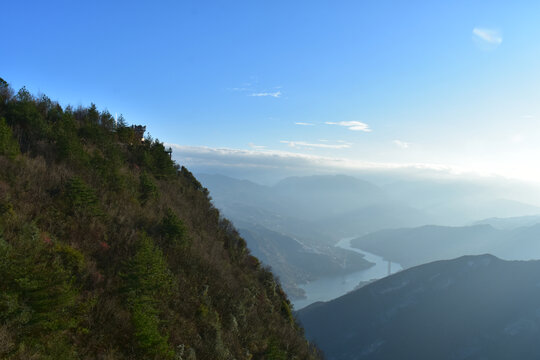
[[109, 250], [473, 307]]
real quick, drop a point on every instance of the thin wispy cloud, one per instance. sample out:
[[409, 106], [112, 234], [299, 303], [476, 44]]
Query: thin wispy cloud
[[304, 123], [239, 89], [303, 144], [275, 94], [255, 90], [490, 37], [401, 144], [351, 125], [256, 147]]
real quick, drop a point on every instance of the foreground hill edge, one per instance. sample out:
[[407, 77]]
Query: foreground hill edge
[[110, 250]]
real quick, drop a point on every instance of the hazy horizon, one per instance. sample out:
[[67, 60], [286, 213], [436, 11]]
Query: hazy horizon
[[385, 85]]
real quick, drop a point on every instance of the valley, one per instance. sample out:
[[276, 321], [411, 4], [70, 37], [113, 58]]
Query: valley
[[297, 226], [330, 287]]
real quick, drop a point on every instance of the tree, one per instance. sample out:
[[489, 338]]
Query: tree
[[37, 298], [148, 282], [8, 145], [6, 93], [173, 230]]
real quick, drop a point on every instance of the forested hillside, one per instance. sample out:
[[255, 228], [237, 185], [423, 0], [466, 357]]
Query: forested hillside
[[110, 250]]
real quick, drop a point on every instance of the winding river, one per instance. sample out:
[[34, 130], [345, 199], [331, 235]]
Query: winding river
[[328, 288]]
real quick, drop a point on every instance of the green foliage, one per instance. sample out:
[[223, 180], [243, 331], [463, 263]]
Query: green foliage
[[147, 274], [147, 188], [81, 198], [5, 94], [107, 164], [159, 162], [37, 298], [173, 230], [286, 311], [6, 208], [24, 95], [106, 120], [71, 259], [274, 352], [68, 144], [27, 123], [125, 134], [127, 259], [92, 115], [149, 282], [8, 145], [147, 334], [192, 181], [153, 158]]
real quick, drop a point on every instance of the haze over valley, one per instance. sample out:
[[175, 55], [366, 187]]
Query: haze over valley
[[270, 180], [294, 225]]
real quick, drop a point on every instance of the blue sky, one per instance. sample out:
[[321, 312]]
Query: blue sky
[[339, 84]]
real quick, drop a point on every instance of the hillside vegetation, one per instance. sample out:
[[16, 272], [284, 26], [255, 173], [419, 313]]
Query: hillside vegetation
[[110, 250]]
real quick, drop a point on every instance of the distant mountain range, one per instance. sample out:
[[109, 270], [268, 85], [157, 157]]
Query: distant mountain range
[[307, 198], [458, 202], [472, 307], [415, 246], [293, 225], [511, 222], [339, 205]]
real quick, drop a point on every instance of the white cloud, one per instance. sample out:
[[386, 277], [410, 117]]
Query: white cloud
[[402, 144], [257, 147], [351, 125], [203, 156], [220, 159], [489, 36], [304, 123], [276, 94], [303, 144]]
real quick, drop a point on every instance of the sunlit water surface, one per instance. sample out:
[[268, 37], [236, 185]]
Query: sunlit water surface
[[328, 288]]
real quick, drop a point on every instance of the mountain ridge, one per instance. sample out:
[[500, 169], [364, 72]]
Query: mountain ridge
[[414, 246], [471, 307]]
